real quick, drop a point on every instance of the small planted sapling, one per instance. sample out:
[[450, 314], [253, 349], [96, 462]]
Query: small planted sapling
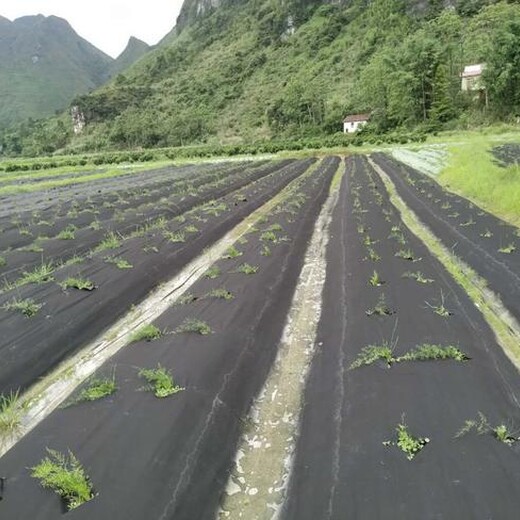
[[375, 280], [27, 307], [81, 284], [380, 309], [194, 326], [160, 382], [406, 442], [247, 269]]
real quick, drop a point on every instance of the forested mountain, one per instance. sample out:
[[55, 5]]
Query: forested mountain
[[134, 50], [241, 71], [44, 63]]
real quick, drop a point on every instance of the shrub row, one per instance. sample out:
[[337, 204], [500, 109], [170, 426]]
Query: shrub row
[[337, 140]]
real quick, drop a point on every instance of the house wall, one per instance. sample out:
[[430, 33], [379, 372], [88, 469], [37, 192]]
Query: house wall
[[349, 128]]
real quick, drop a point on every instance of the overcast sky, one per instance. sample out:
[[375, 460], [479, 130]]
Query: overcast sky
[[106, 23]]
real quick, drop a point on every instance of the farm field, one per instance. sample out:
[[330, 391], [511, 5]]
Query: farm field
[[145, 324]]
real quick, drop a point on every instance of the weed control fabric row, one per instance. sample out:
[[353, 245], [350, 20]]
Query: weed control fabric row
[[122, 273], [162, 445], [487, 244], [410, 404]]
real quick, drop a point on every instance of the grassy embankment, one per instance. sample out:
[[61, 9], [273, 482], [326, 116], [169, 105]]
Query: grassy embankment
[[472, 172]]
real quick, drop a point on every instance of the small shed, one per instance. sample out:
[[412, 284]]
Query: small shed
[[354, 122], [471, 77]]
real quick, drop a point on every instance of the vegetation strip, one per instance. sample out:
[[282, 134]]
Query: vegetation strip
[[45, 396], [263, 460], [503, 324]]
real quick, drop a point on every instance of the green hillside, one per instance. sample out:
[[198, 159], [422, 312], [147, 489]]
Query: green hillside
[[44, 64], [248, 71]]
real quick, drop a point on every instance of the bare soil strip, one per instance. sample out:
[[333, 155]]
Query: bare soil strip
[[263, 461]]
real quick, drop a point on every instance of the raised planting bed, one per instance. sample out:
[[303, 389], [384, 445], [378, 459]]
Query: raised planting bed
[[61, 232], [487, 244], [217, 343], [124, 272], [390, 390]]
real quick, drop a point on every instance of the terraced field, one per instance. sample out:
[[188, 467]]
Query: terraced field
[[297, 339]]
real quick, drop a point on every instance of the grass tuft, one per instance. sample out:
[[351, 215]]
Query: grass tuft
[[427, 352], [222, 294], [97, 389], [372, 353], [27, 307], [65, 476], [10, 414], [193, 325], [111, 241], [212, 273], [146, 333], [232, 252], [39, 275], [69, 233]]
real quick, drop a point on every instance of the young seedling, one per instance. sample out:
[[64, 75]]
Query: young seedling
[[375, 280], [222, 294], [232, 252], [481, 426], [266, 250], [146, 333], [367, 241], [407, 254], [190, 229], [486, 234], [268, 236], [27, 307], [174, 238], [508, 249], [65, 476], [120, 263], [160, 381], [381, 308], [3, 261], [10, 414], [373, 256], [78, 283], [32, 248], [406, 442], [469, 222], [440, 309], [247, 269], [69, 233], [150, 249], [213, 272], [194, 326], [418, 277]]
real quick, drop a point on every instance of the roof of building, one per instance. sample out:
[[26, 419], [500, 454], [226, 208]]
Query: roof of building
[[473, 70], [356, 118]]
